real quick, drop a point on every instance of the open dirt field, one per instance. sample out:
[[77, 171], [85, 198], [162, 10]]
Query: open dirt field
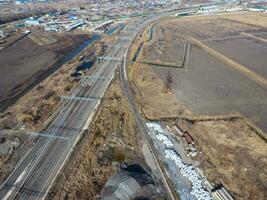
[[258, 19], [206, 85], [209, 94], [246, 51], [205, 27], [209, 87], [240, 144], [28, 60]]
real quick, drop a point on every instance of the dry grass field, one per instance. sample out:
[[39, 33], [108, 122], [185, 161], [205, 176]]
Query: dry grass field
[[232, 154], [249, 18], [205, 27], [163, 52]]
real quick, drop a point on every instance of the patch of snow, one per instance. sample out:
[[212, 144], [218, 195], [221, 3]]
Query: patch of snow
[[190, 173], [164, 139]]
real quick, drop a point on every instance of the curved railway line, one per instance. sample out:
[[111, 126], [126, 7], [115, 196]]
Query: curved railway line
[[36, 172]]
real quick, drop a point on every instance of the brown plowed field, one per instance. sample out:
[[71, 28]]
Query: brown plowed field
[[209, 87], [248, 52], [24, 62], [206, 85]]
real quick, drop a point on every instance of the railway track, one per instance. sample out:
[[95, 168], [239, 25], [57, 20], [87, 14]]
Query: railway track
[[36, 172]]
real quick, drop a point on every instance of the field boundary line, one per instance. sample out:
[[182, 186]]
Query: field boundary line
[[254, 37], [250, 74], [225, 117]]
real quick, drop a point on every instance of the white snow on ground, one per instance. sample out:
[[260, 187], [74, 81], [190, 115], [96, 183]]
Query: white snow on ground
[[164, 139], [186, 170], [190, 173], [160, 133], [155, 126]]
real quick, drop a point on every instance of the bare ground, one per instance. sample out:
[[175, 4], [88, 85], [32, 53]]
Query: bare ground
[[259, 19], [31, 58], [242, 50], [233, 151], [206, 27]]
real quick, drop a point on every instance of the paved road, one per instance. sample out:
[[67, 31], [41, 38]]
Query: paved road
[[37, 170]]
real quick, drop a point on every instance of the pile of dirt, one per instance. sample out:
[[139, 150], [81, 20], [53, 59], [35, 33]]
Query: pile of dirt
[[112, 140], [12, 147]]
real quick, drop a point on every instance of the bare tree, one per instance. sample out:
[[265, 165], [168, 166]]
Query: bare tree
[[169, 80]]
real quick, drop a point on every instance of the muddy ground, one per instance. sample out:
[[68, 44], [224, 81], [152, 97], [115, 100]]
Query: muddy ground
[[112, 140], [207, 93], [31, 58]]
